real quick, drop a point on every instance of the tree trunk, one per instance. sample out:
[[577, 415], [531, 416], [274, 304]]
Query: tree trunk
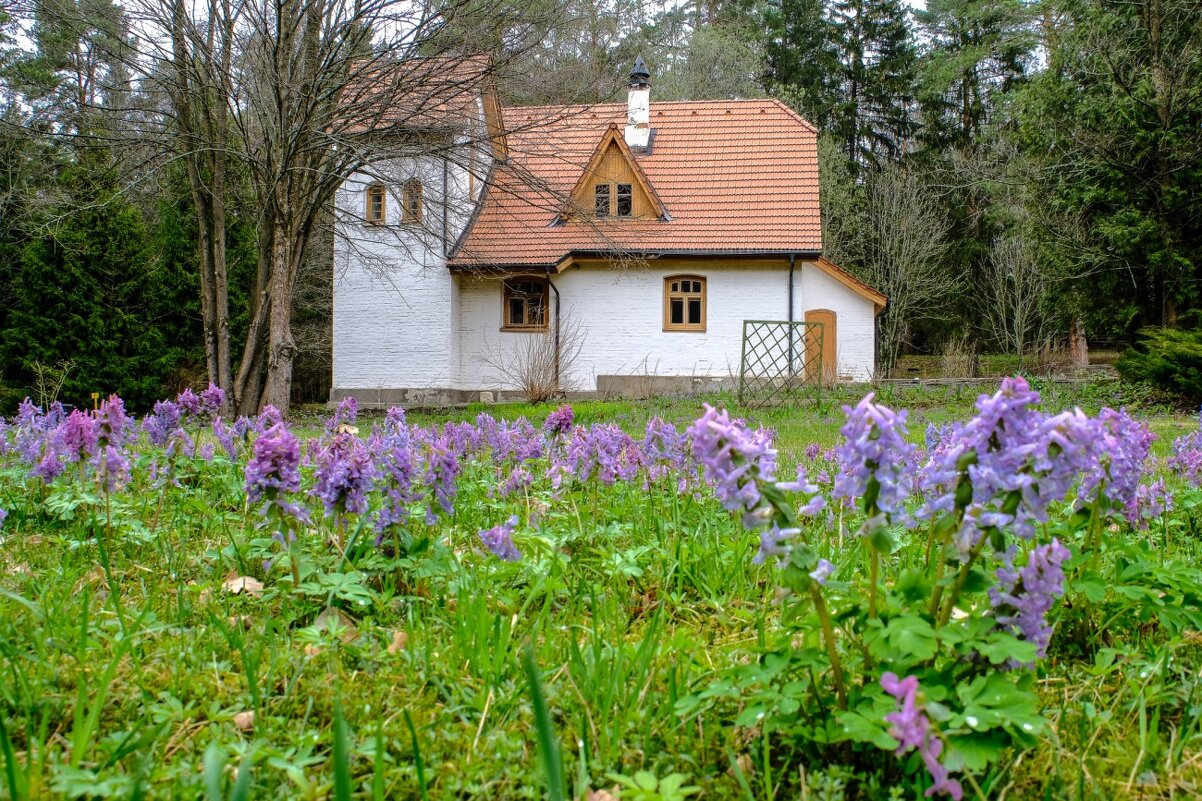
[[281, 348]]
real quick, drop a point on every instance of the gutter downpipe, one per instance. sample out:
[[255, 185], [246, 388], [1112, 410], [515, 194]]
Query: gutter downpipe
[[446, 250], [556, 356], [792, 259]]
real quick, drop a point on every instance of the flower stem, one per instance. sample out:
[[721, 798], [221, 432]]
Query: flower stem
[[828, 636], [961, 577]]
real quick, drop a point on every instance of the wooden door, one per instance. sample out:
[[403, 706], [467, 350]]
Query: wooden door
[[827, 336]]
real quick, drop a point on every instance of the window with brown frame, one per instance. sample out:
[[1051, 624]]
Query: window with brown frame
[[376, 211], [524, 304], [616, 199], [684, 303], [601, 199], [625, 204], [411, 202]]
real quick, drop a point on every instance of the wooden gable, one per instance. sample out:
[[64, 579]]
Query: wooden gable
[[613, 164]]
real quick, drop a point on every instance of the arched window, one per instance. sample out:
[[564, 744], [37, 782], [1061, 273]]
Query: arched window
[[411, 202], [376, 210], [684, 303]]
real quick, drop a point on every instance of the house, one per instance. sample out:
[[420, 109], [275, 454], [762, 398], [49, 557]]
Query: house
[[628, 241]]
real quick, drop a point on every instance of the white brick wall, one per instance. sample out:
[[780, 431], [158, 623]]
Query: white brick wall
[[622, 317], [854, 321]]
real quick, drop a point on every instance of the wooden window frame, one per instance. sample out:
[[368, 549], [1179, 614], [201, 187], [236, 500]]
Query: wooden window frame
[[374, 190], [412, 202], [669, 295], [606, 196], [611, 194], [508, 289], [618, 200]]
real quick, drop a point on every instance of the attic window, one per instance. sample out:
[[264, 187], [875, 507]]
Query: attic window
[[411, 202], [625, 200], [684, 303], [601, 199], [524, 304], [617, 199], [376, 210]]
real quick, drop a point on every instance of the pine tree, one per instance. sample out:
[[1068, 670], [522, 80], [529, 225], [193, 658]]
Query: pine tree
[[873, 118]]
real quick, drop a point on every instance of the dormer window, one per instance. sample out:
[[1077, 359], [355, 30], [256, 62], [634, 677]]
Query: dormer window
[[617, 199], [625, 202], [601, 199], [411, 202], [376, 210]]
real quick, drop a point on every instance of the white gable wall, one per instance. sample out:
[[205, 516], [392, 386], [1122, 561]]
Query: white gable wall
[[855, 338], [394, 302]]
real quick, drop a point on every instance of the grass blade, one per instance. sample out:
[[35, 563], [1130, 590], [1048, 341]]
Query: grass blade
[[241, 791], [342, 757], [548, 748], [214, 764], [417, 758], [377, 778], [10, 762]]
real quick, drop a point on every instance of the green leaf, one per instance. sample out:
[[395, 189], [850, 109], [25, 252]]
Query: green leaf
[[1001, 647], [906, 640], [860, 728]]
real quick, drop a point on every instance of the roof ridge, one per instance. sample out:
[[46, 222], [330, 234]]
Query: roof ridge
[[661, 103]]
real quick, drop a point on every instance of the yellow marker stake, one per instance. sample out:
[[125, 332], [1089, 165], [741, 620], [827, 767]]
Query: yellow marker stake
[[95, 401]]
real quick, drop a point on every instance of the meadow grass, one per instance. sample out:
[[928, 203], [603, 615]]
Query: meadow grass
[[130, 669]]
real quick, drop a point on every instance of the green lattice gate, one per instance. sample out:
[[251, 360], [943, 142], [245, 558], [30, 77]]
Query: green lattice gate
[[781, 361]]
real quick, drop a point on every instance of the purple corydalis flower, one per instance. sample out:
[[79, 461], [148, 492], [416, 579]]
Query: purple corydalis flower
[[79, 435], [344, 475], [344, 415], [442, 470], [734, 460], [274, 465], [162, 423], [499, 540], [112, 422], [912, 730], [212, 399], [188, 402], [874, 459], [822, 571], [225, 437], [1022, 598], [559, 421]]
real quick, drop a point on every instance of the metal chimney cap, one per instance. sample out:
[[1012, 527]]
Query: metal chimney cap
[[639, 76]]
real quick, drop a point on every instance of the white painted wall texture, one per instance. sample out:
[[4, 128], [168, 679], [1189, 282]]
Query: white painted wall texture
[[621, 314], [854, 321], [394, 302]]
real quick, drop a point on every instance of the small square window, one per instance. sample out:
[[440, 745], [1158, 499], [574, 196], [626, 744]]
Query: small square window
[[601, 199], [525, 304], [684, 304]]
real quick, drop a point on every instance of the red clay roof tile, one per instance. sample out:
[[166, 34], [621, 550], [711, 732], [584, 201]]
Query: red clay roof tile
[[736, 176]]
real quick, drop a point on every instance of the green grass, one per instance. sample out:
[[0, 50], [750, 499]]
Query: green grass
[[553, 672]]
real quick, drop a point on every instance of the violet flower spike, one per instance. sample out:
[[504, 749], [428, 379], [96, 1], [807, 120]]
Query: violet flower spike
[[499, 540], [912, 730]]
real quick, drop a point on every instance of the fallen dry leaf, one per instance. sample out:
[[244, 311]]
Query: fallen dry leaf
[[399, 640], [312, 650], [245, 720], [332, 618], [236, 584]]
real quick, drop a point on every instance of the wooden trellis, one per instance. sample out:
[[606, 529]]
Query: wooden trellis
[[781, 360]]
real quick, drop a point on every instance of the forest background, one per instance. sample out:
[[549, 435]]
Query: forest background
[[1011, 174]]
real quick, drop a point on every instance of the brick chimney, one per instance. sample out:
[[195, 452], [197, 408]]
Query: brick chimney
[[638, 106]]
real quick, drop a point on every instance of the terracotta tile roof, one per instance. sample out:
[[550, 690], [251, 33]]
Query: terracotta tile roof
[[736, 176]]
